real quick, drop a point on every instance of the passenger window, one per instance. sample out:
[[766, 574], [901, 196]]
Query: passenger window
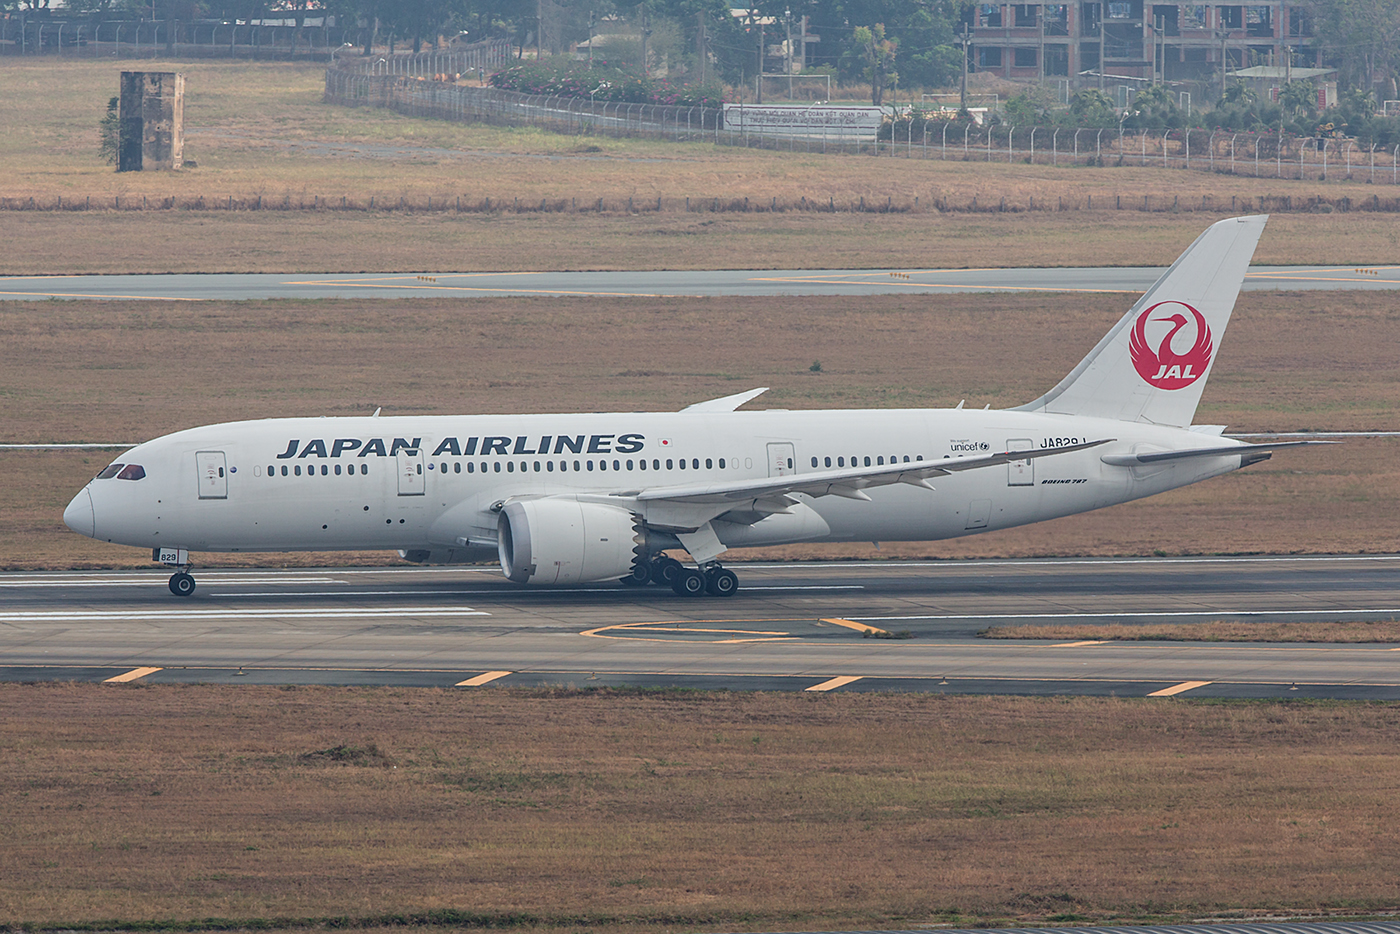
[[789, 460], [510, 466], [443, 467], [867, 460], [297, 469], [642, 463], [721, 463], [695, 462], [471, 467], [110, 472], [537, 466], [840, 462], [364, 470], [590, 465], [682, 463], [457, 467], [880, 460], [602, 465], [906, 458], [670, 465], [617, 465], [284, 470], [337, 470], [132, 472], [814, 462], [577, 467], [629, 465], [549, 465], [497, 465], [272, 470], [656, 464], [709, 464], [828, 462]]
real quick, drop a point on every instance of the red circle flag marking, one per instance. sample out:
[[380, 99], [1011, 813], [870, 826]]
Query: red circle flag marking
[[1164, 367]]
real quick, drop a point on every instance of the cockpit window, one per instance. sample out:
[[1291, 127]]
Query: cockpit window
[[110, 472], [132, 472]]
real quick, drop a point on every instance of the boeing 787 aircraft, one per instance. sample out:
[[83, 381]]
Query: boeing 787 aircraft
[[567, 499]]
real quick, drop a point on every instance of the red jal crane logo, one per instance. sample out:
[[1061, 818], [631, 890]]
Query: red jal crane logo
[[1164, 367]]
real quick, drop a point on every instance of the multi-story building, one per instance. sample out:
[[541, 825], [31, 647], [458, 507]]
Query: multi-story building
[[1136, 40]]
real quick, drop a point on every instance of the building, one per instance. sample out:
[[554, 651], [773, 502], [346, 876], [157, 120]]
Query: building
[[1094, 44]]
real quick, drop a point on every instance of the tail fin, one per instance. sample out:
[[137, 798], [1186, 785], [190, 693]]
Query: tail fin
[[1153, 365]]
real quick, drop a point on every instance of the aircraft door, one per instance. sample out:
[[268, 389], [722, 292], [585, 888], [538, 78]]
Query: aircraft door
[[782, 459], [412, 481], [1020, 473], [213, 474]]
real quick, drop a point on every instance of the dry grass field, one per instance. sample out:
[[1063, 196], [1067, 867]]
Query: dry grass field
[[1218, 631], [581, 811], [128, 371], [260, 131]]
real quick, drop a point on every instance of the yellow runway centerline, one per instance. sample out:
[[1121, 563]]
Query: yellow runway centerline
[[834, 683], [1075, 645], [132, 675], [1179, 688], [481, 679]]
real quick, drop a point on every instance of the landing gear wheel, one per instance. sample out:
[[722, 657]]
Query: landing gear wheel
[[664, 570], [641, 574], [721, 583], [181, 584], [690, 582]]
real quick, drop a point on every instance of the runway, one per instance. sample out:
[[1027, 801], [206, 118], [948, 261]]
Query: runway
[[846, 626], [245, 287]]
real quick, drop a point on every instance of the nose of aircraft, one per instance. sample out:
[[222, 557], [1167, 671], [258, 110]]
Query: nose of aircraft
[[78, 515]]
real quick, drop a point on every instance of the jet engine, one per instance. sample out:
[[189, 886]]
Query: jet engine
[[558, 540]]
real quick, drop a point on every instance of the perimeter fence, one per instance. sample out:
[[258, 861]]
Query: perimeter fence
[[1262, 155]]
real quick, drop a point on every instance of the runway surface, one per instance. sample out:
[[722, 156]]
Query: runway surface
[[792, 627], [1258, 927], [233, 287]]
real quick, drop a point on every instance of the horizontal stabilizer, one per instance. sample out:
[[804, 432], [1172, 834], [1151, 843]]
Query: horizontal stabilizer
[[1156, 457]]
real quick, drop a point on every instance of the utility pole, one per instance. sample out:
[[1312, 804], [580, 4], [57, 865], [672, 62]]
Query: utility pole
[[646, 70], [591, 23], [1040, 55], [758, 90], [1103, 30], [539, 30], [1224, 35], [700, 51], [962, 88]]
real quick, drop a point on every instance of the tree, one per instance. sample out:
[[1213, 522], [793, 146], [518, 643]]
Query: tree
[[1363, 34], [1092, 107], [879, 53]]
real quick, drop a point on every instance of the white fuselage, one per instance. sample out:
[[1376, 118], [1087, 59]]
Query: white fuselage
[[435, 484]]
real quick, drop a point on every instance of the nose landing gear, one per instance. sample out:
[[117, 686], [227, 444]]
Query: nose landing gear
[[181, 584]]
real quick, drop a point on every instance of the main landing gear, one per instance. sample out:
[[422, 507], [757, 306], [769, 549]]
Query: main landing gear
[[713, 579]]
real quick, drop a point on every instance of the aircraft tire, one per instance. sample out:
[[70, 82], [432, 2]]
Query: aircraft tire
[[690, 582], [181, 584], [640, 576], [721, 583], [664, 570]]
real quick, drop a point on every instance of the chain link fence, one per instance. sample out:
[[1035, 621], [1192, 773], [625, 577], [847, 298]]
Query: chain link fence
[[1250, 154]]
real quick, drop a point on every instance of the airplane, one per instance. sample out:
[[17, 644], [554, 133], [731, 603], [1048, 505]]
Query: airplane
[[580, 498]]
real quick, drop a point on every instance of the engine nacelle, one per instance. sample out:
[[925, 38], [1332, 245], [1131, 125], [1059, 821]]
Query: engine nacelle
[[562, 541]]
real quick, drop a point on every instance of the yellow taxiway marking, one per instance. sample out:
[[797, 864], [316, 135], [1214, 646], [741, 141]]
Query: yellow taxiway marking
[[834, 683], [131, 675], [481, 679], [1179, 688], [858, 627], [1075, 645]]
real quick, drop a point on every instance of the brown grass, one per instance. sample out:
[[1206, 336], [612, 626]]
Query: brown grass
[[256, 130], [712, 811], [129, 371], [1217, 631], [43, 243]]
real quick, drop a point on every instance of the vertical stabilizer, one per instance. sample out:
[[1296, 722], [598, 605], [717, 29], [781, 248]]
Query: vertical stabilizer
[[1153, 365]]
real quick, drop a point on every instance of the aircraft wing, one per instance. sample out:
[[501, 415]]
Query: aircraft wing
[[848, 482]]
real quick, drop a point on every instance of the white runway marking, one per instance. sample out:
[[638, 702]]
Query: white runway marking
[[194, 614], [153, 583]]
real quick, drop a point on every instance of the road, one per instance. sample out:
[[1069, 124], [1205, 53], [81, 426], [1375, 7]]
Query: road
[[793, 627], [242, 287]]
